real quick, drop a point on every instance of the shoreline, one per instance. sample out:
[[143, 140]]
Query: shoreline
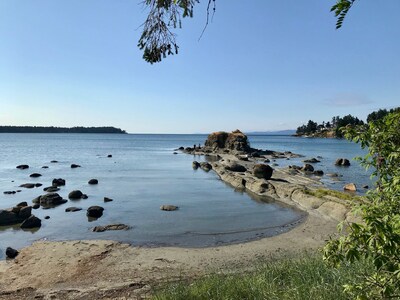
[[104, 269]]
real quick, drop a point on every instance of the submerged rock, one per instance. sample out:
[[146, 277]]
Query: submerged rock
[[22, 167], [93, 181], [168, 207], [73, 166], [9, 192], [28, 185], [106, 199], [311, 160], [111, 227], [73, 209], [51, 189]]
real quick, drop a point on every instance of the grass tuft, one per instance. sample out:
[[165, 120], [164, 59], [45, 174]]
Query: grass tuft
[[324, 192], [289, 278]]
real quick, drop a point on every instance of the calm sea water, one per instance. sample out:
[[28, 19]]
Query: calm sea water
[[144, 174]]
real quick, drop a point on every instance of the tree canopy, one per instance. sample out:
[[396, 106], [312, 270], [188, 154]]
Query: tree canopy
[[158, 39]]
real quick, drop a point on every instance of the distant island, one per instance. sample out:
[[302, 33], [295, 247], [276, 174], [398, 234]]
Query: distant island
[[51, 129], [332, 129], [278, 132]]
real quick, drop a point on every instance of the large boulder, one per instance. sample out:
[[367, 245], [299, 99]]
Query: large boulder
[[77, 194], [31, 222], [50, 199], [15, 215], [262, 171], [234, 141], [95, 211]]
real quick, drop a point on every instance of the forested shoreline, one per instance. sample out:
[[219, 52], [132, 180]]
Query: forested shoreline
[[52, 129]]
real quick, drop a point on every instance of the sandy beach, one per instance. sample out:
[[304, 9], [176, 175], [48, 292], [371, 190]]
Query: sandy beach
[[112, 270]]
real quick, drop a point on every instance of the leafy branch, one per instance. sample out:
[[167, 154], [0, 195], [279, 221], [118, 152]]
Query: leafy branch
[[341, 8]]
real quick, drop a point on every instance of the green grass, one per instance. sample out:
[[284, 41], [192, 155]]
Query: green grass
[[289, 278], [341, 195]]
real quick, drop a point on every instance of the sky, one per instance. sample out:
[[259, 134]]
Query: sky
[[261, 65]]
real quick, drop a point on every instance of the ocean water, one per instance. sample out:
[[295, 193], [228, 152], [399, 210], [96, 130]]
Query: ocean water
[[144, 174]]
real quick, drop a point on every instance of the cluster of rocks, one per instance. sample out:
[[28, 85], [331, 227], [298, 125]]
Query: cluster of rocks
[[306, 169], [235, 143], [19, 214]]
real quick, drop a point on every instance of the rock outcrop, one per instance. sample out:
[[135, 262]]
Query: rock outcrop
[[235, 141]]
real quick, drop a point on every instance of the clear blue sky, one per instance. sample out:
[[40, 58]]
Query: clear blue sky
[[261, 65]]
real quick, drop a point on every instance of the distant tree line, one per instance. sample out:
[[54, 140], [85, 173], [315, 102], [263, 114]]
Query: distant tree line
[[380, 114], [335, 125], [51, 129]]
